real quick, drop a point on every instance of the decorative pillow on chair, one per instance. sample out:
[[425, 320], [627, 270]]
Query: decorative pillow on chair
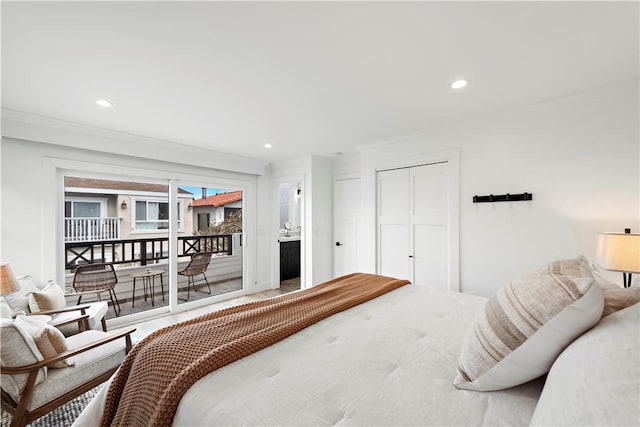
[[49, 298], [48, 339], [524, 327], [19, 301]]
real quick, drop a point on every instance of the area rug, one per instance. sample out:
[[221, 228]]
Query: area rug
[[63, 416]]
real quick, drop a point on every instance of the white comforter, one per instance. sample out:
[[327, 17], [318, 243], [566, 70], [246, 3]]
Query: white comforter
[[390, 361]]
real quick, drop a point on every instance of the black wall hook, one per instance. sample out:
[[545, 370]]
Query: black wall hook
[[503, 198]]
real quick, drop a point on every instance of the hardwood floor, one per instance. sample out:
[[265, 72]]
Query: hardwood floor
[[147, 327], [290, 285], [141, 304]]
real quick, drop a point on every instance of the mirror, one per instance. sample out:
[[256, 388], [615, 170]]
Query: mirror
[[290, 207]]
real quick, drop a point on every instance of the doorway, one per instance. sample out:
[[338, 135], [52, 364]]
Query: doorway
[[290, 235]]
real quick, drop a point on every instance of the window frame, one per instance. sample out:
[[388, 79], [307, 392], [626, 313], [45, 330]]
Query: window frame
[[74, 199], [134, 220], [150, 171]]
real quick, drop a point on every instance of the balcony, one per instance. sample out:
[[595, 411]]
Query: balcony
[[92, 229], [131, 256]]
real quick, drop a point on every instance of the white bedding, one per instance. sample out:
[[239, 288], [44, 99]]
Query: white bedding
[[390, 361]]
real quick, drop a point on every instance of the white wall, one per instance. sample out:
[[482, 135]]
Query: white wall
[[262, 240], [322, 225], [578, 155]]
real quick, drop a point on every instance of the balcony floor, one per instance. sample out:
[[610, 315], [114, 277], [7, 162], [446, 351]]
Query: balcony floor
[[217, 288]]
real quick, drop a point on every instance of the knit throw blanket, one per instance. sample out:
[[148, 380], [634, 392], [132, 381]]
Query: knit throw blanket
[[158, 371]]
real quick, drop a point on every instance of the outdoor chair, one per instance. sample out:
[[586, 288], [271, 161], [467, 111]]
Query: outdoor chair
[[96, 278], [31, 387], [63, 316], [197, 266]]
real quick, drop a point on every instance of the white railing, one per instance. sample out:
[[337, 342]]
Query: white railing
[[92, 229]]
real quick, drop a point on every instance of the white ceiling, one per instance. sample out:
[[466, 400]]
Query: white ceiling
[[309, 78]]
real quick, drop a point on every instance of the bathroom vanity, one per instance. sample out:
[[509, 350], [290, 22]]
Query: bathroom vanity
[[289, 258]]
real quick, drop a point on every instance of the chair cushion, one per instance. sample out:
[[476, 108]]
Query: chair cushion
[[96, 311], [596, 379], [49, 298], [19, 301], [17, 349], [49, 340], [88, 365], [524, 327]]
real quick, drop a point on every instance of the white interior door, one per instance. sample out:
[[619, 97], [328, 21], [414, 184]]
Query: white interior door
[[429, 216], [413, 215], [346, 225], [393, 223]]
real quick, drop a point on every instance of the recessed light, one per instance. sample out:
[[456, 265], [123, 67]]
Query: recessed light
[[459, 84], [268, 145], [104, 103]]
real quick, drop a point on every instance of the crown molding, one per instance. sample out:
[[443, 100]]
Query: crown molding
[[32, 127]]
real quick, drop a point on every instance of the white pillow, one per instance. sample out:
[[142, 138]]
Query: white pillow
[[19, 301], [526, 324], [596, 379]]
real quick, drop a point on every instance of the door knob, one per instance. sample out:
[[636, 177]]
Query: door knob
[[338, 244]]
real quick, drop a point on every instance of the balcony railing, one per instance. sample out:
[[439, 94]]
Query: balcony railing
[[142, 251], [92, 229]]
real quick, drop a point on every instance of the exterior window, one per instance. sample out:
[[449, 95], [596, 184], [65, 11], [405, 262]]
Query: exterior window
[[204, 221], [230, 211], [154, 215], [77, 209]]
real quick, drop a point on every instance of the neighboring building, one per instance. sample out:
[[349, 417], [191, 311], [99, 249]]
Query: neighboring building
[[214, 209], [118, 221], [97, 209]]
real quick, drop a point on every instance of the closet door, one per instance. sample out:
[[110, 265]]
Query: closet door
[[413, 232], [393, 223], [428, 231]]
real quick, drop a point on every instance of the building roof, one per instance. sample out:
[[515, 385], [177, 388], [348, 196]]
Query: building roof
[[219, 199], [121, 186]]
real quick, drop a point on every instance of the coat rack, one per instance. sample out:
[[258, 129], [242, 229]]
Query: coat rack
[[503, 198]]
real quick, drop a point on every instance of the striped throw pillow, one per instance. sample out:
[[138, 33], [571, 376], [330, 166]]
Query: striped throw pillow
[[527, 323]]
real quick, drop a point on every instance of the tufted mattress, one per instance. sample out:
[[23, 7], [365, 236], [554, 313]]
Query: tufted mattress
[[390, 361]]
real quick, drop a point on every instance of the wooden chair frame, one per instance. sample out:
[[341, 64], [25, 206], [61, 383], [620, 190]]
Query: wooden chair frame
[[18, 410], [82, 320]]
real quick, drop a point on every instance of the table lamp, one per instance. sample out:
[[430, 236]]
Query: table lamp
[[8, 282], [620, 252]]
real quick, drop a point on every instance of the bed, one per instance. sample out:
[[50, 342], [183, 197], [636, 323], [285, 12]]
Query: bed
[[391, 361]]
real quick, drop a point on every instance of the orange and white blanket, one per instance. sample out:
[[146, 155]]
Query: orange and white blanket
[[155, 375]]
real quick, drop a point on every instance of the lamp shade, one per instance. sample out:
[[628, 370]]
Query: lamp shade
[[619, 252], [8, 282]]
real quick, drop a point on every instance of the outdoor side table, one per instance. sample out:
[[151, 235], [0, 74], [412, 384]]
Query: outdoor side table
[[148, 282]]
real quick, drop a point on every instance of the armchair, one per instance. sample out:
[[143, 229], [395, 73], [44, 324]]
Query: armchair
[[31, 387], [64, 318]]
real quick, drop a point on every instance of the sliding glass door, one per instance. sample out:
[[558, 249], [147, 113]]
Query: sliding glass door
[[134, 224]]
